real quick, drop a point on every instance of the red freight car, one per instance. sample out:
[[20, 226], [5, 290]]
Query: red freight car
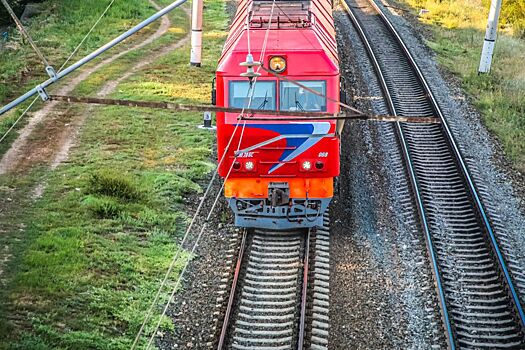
[[279, 174]]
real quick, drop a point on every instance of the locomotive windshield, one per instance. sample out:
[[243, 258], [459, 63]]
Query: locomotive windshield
[[263, 95], [295, 98]]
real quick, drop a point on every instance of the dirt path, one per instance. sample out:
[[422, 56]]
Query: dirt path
[[109, 88], [27, 151], [51, 132]]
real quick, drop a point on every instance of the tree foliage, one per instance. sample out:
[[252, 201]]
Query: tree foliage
[[17, 6], [513, 13]]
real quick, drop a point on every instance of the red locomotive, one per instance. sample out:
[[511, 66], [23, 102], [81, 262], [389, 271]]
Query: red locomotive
[[279, 174]]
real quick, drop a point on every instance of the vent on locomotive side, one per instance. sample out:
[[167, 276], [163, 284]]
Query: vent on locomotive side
[[286, 14]]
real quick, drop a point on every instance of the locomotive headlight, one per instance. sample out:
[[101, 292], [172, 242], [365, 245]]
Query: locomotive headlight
[[277, 64], [249, 165], [307, 165]]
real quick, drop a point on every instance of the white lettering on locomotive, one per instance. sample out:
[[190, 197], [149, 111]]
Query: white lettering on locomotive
[[323, 154], [245, 155]]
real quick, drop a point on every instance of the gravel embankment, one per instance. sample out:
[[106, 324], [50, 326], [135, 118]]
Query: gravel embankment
[[502, 188], [387, 289]]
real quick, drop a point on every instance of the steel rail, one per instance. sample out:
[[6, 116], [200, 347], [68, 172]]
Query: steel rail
[[459, 157], [231, 299], [304, 293], [413, 177], [460, 163], [225, 335]]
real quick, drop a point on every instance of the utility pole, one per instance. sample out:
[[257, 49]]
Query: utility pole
[[196, 33], [490, 37]]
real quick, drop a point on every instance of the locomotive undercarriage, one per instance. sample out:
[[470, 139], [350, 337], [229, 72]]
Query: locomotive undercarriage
[[278, 211]]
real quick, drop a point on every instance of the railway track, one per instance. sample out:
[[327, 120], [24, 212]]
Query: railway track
[[479, 303], [278, 296]]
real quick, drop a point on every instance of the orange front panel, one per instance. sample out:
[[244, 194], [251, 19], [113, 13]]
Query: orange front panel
[[258, 188]]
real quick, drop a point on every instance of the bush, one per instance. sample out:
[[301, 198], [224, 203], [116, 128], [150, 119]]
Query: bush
[[103, 208], [17, 6], [513, 13], [113, 184]]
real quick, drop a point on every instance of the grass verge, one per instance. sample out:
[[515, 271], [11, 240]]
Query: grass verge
[[98, 241], [57, 30], [458, 29]]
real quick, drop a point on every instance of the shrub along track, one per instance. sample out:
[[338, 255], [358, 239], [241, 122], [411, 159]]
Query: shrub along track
[[479, 302]]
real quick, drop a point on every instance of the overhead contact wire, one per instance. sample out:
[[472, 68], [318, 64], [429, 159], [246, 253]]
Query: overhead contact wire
[[61, 67], [251, 91]]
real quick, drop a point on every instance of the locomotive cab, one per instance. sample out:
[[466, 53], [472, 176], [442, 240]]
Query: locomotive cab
[[279, 173]]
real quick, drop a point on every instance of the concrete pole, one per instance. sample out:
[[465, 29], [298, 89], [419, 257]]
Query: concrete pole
[[490, 37], [196, 33]]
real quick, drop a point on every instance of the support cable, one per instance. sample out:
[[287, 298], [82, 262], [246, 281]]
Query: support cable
[[50, 71], [250, 92], [61, 67], [40, 89]]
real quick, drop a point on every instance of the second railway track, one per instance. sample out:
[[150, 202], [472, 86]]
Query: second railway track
[[479, 303]]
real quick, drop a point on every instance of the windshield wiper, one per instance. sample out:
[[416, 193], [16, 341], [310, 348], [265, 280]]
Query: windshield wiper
[[264, 102], [297, 103]]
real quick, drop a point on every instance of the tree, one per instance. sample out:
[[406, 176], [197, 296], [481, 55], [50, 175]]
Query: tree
[[513, 13], [18, 7]]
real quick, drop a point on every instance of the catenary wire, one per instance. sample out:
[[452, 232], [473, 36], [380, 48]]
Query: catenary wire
[[251, 91], [61, 67]]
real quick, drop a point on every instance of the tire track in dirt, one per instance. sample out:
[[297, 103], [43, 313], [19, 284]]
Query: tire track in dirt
[[109, 88], [23, 153]]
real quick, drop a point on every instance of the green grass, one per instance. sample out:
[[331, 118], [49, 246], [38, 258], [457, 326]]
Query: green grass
[[458, 29], [93, 249], [57, 31]]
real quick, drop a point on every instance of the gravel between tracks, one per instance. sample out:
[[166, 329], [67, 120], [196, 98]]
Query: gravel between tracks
[[193, 307], [381, 288], [386, 289], [382, 292]]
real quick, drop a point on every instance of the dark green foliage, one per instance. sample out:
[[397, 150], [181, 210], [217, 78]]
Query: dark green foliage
[[513, 13], [103, 208], [114, 184], [17, 6]]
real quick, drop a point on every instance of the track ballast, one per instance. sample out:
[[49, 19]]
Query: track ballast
[[279, 292], [480, 306]]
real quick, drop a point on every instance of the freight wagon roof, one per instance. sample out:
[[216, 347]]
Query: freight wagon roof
[[295, 25]]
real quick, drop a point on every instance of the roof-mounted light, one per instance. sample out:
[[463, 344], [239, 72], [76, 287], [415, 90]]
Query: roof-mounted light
[[277, 64]]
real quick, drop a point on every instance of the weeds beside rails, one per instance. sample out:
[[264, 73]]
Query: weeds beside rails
[[458, 29], [100, 238]]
